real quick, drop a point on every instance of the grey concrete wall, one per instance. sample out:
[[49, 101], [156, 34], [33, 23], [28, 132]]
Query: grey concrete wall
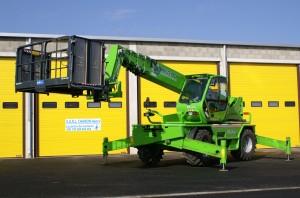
[[11, 44], [179, 49], [249, 52]]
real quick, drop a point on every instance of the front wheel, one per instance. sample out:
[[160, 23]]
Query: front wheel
[[150, 154], [199, 159], [247, 146]]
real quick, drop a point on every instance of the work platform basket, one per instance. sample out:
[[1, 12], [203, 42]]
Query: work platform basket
[[67, 65]]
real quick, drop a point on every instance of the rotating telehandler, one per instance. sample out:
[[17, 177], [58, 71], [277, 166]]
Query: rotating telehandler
[[208, 122]]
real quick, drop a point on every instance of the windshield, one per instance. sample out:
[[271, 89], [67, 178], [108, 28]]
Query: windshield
[[193, 90]]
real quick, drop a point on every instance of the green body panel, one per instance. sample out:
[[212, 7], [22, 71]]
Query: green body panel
[[234, 109], [230, 132], [147, 134]]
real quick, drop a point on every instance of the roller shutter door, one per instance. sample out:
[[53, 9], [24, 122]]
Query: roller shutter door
[[163, 99], [11, 122], [270, 92], [77, 126]]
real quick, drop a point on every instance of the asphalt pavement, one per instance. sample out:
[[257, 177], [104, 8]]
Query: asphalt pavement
[[267, 175]]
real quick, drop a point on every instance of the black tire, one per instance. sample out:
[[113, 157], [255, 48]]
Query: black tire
[[150, 154], [247, 146], [199, 159]]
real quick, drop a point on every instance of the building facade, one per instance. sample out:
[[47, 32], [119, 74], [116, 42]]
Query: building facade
[[35, 125]]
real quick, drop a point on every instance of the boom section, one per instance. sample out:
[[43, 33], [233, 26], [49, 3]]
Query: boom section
[[143, 66]]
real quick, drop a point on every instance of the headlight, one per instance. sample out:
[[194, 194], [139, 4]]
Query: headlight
[[192, 113], [192, 116]]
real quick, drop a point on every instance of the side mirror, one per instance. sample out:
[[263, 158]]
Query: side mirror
[[149, 114]]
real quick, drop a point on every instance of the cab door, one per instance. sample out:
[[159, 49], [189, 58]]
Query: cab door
[[216, 99]]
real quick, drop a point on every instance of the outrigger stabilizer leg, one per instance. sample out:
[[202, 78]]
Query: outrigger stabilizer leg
[[223, 156], [279, 144], [104, 150], [288, 149]]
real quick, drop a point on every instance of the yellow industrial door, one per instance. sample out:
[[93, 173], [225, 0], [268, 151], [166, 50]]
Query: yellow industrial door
[[270, 92], [77, 126], [163, 99], [11, 111]]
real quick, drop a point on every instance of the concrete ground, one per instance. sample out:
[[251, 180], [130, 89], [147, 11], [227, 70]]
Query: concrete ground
[[267, 175]]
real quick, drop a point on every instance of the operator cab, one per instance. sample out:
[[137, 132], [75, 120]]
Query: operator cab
[[204, 99]]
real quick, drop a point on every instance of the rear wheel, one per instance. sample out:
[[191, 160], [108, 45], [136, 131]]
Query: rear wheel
[[247, 146], [150, 154], [199, 159]]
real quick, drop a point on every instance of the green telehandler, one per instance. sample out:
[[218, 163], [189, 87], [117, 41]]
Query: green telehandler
[[208, 122]]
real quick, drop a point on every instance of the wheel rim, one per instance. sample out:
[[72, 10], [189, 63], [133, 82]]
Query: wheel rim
[[247, 144]]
